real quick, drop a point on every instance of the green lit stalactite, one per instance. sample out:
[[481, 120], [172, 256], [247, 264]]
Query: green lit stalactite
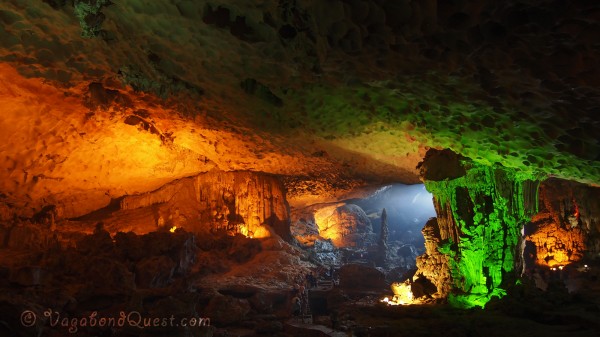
[[488, 206]]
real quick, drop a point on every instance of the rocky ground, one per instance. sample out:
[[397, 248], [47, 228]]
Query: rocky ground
[[57, 283], [232, 281], [526, 311]]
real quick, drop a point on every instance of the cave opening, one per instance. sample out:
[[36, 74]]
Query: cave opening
[[356, 223], [407, 207]]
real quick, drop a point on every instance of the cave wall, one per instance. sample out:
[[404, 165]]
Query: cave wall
[[567, 227], [244, 202]]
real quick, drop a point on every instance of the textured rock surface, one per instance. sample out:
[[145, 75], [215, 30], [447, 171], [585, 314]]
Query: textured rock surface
[[433, 265], [249, 203], [566, 228], [306, 232], [359, 277], [346, 225], [382, 242], [102, 100], [481, 215], [159, 274]]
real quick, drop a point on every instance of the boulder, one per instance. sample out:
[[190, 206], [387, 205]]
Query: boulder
[[243, 249], [226, 310], [305, 231], [346, 225], [97, 244], [154, 272], [105, 273], [27, 276], [272, 302], [360, 277]]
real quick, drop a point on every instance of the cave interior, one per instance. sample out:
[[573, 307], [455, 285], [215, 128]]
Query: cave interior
[[299, 168]]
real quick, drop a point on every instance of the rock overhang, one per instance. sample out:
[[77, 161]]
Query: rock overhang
[[353, 91]]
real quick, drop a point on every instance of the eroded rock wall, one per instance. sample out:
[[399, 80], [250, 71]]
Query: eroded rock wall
[[434, 265], [567, 228], [243, 202]]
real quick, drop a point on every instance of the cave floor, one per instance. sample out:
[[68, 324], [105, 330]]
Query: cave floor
[[245, 287], [442, 321]]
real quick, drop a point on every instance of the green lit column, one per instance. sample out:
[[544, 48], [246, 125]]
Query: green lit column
[[488, 207]]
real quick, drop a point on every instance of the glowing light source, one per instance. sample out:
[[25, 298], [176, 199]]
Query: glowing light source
[[402, 294], [172, 230]]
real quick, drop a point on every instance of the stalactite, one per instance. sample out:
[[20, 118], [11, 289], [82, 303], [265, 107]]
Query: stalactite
[[480, 218], [211, 201]]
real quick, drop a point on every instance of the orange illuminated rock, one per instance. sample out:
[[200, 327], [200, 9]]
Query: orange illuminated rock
[[346, 225], [556, 245], [433, 265], [248, 203], [567, 223]]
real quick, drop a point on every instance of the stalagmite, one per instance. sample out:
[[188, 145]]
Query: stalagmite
[[382, 245]]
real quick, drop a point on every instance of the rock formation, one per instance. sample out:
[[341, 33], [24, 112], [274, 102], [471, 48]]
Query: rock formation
[[382, 243], [346, 225], [434, 265], [566, 229], [249, 203], [480, 216]]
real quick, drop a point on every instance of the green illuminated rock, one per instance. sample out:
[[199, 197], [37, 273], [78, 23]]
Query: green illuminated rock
[[90, 16], [485, 209]]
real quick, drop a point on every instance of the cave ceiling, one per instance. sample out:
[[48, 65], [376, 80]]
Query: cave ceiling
[[101, 99]]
